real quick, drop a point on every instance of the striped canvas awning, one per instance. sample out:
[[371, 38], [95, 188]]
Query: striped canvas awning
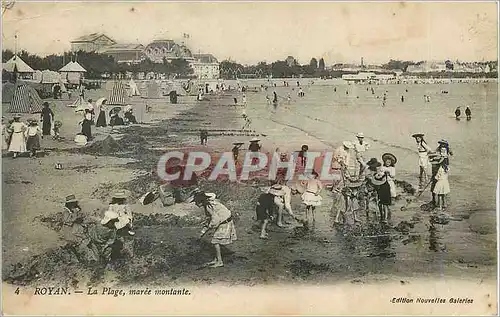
[[25, 100], [117, 95]]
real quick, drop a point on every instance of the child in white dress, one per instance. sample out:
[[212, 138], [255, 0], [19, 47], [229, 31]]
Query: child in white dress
[[442, 186]]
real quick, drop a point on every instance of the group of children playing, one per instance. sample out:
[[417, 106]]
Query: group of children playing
[[20, 137]]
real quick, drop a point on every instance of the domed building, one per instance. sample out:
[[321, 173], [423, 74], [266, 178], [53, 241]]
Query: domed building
[[160, 49]]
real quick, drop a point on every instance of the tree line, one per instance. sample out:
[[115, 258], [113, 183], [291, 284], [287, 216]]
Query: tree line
[[98, 64]]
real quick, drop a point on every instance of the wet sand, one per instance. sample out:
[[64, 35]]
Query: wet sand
[[166, 248]]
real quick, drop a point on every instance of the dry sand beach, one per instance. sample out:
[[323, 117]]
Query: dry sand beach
[[166, 247]]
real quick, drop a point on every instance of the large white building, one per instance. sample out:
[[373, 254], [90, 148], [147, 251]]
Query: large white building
[[205, 66]]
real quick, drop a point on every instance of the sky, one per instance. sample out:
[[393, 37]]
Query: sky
[[249, 32]]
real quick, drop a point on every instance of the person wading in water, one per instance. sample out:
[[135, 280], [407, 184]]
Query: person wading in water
[[423, 160]]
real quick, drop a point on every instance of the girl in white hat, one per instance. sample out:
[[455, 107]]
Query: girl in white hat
[[219, 220]]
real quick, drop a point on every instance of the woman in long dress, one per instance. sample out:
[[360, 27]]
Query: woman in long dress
[[18, 141], [101, 118], [47, 117], [311, 197]]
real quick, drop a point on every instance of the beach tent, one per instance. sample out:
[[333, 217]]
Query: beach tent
[[18, 64], [117, 94], [50, 77], [72, 72], [133, 90], [152, 90], [20, 99]]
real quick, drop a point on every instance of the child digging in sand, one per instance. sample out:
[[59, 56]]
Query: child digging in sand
[[219, 220]]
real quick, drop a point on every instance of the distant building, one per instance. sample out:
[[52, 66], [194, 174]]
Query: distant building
[[362, 76], [91, 42], [290, 61], [168, 49], [368, 77], [205, 66], [427, 67], [125, 53]]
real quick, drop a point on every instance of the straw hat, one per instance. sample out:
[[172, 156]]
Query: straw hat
[[108, 216], [417, 135], [122, 222], [120, 194], [276, 190], [17, 116], [347, 144], [238, 143], [71, 199], [355, 184], [211, 196], [389, 156], [360, 135], [255, 140], [379, 181], [443, 141], [373, 161]]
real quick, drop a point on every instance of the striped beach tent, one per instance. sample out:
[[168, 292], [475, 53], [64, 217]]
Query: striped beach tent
[[24, 99], [117, 94]]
